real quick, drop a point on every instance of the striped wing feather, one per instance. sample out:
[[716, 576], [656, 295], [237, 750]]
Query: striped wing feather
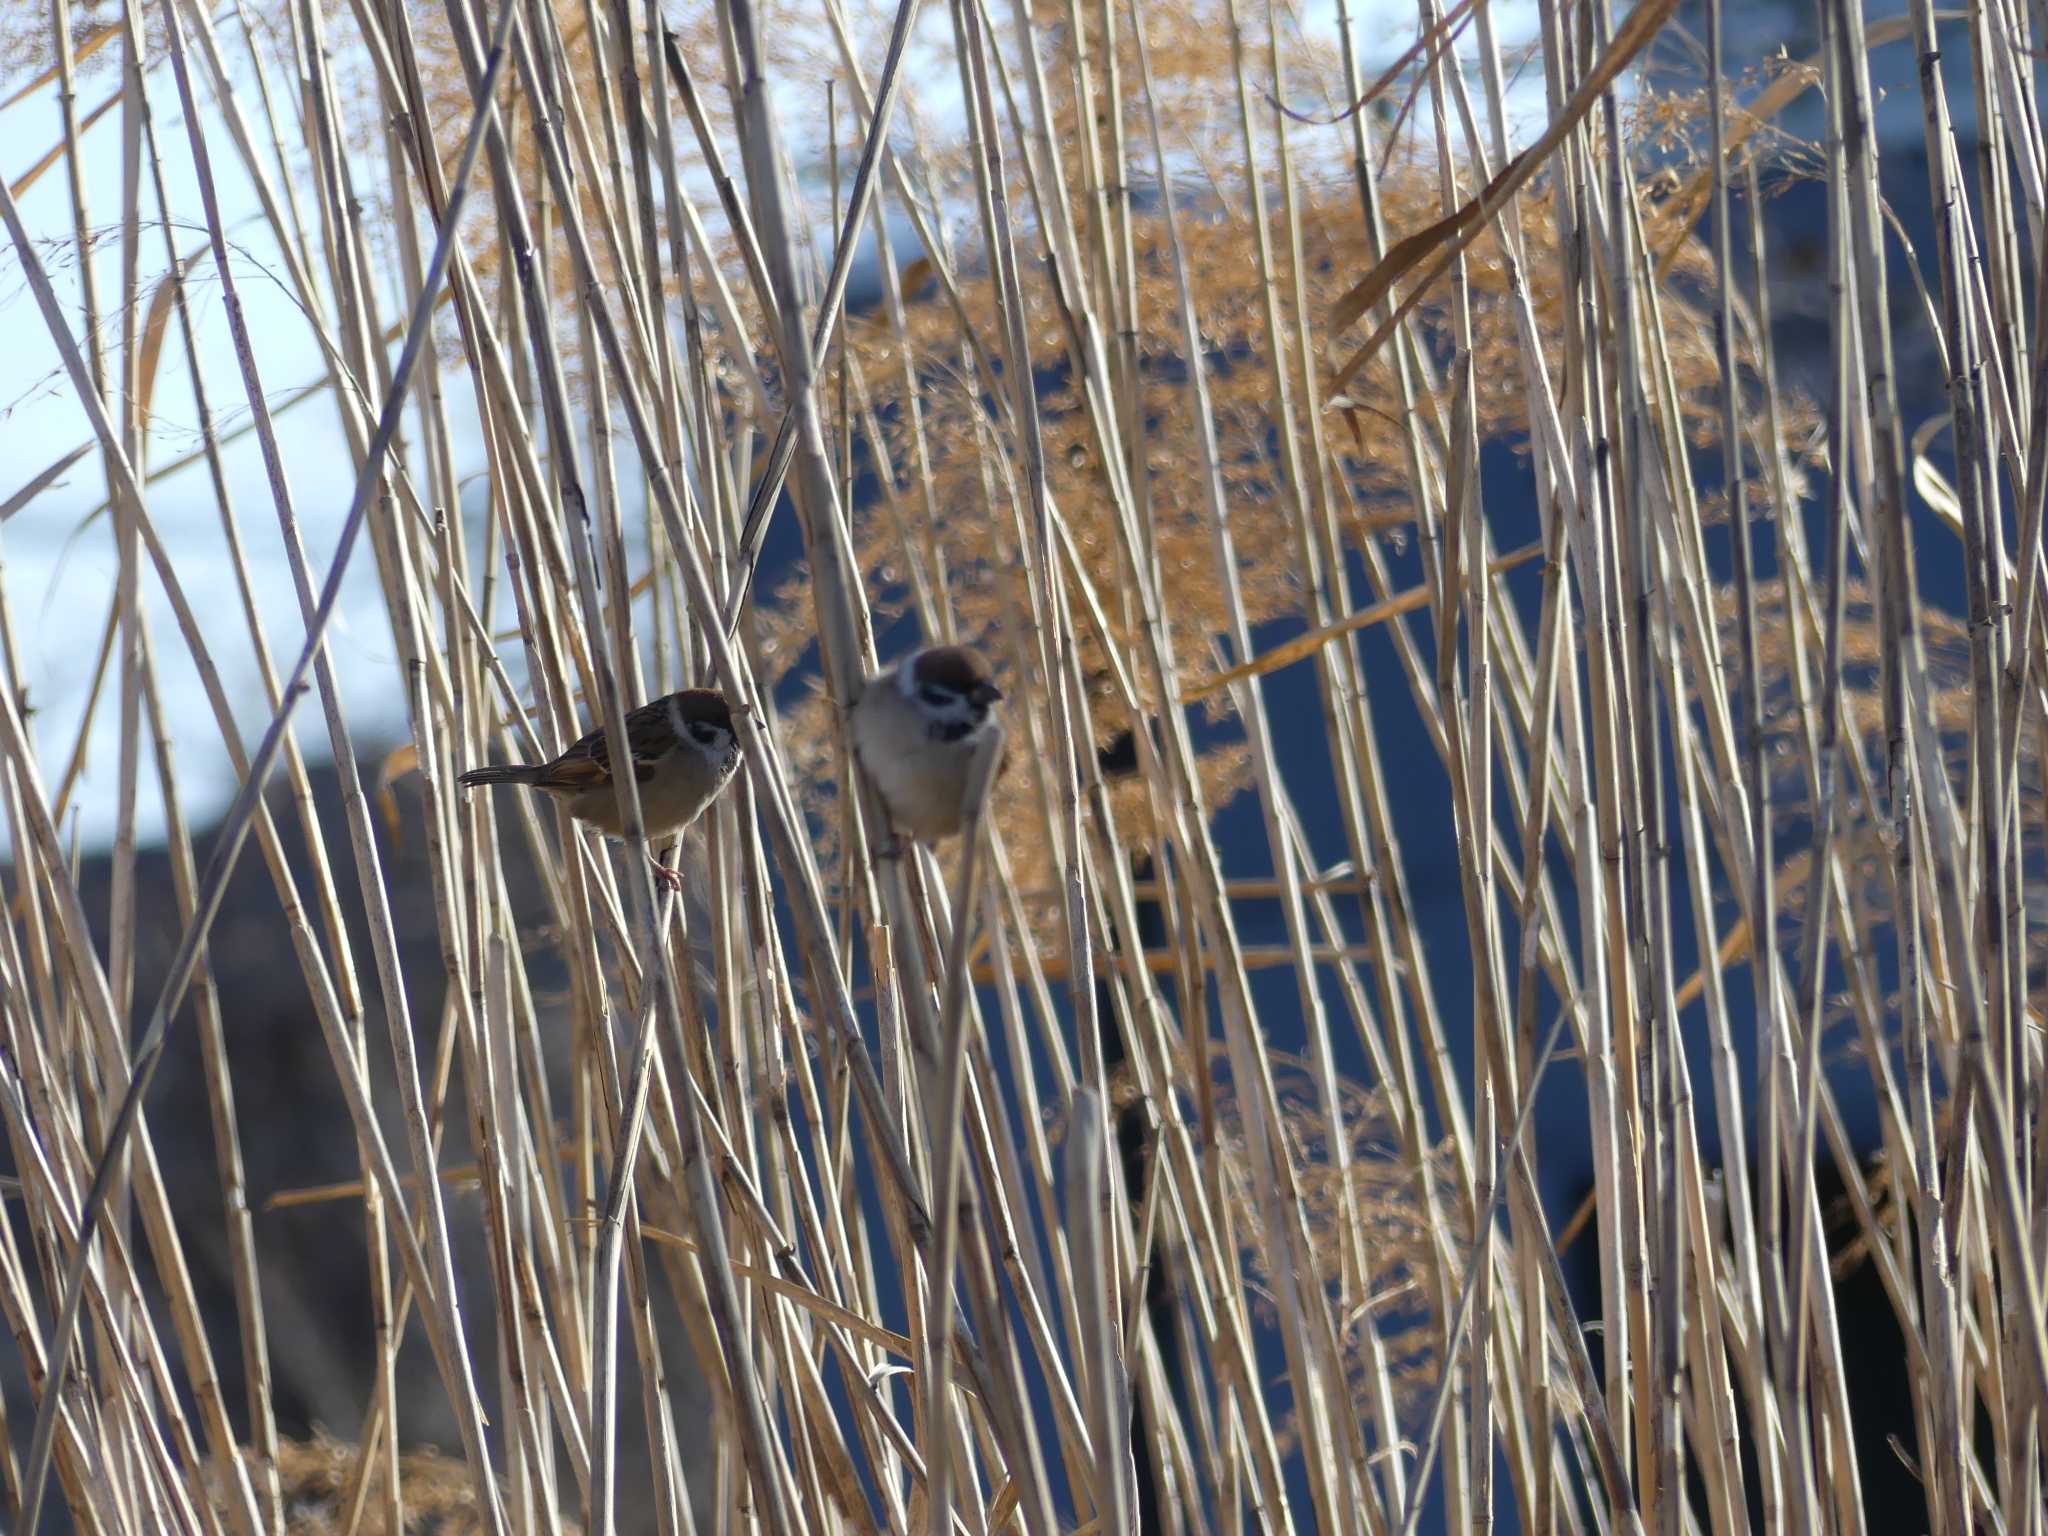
[[587, 763]]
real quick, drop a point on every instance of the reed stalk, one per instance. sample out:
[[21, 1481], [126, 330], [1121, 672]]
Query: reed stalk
[[1137, 1162]]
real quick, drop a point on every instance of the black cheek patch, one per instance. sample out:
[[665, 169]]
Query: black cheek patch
[[952, 730]]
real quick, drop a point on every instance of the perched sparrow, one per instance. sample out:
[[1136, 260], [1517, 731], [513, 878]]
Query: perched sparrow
[[916, 727], [683, 751]]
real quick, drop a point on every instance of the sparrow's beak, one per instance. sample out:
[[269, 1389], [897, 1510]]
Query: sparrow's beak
[[985, 693]]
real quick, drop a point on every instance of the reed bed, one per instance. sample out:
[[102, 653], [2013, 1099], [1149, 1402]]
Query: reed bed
[[1020, 1185]]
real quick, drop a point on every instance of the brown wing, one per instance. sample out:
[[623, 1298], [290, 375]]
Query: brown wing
[[587, 764], [650, 735]]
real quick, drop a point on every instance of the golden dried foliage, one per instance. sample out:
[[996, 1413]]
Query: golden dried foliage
[[318, 1477]]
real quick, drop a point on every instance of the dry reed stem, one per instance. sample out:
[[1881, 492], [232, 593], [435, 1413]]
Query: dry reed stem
[[1103, 422]]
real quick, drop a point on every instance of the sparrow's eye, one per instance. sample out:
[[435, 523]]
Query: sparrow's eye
[[705, 732], [938, 698]]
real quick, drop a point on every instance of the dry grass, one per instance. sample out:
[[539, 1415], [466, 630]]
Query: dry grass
[[1155, 365], [325, 1488]]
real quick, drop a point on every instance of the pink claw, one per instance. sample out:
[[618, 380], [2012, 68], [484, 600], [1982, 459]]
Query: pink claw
[[668, 879]]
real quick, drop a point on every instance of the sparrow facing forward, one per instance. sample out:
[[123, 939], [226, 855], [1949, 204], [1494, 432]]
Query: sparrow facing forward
[[683, 752], [916, 727]]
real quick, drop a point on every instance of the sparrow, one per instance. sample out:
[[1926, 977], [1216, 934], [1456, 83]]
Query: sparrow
[[683, 752], [916, 727]]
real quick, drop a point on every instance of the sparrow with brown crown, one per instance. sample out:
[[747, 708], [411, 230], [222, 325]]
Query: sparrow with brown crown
[[917, 727], [683, 751]]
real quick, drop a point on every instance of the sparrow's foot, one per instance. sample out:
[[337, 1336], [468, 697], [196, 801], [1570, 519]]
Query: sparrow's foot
[[665, 877]]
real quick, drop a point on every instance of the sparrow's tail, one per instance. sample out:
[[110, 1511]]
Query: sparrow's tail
[[514, 773]]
